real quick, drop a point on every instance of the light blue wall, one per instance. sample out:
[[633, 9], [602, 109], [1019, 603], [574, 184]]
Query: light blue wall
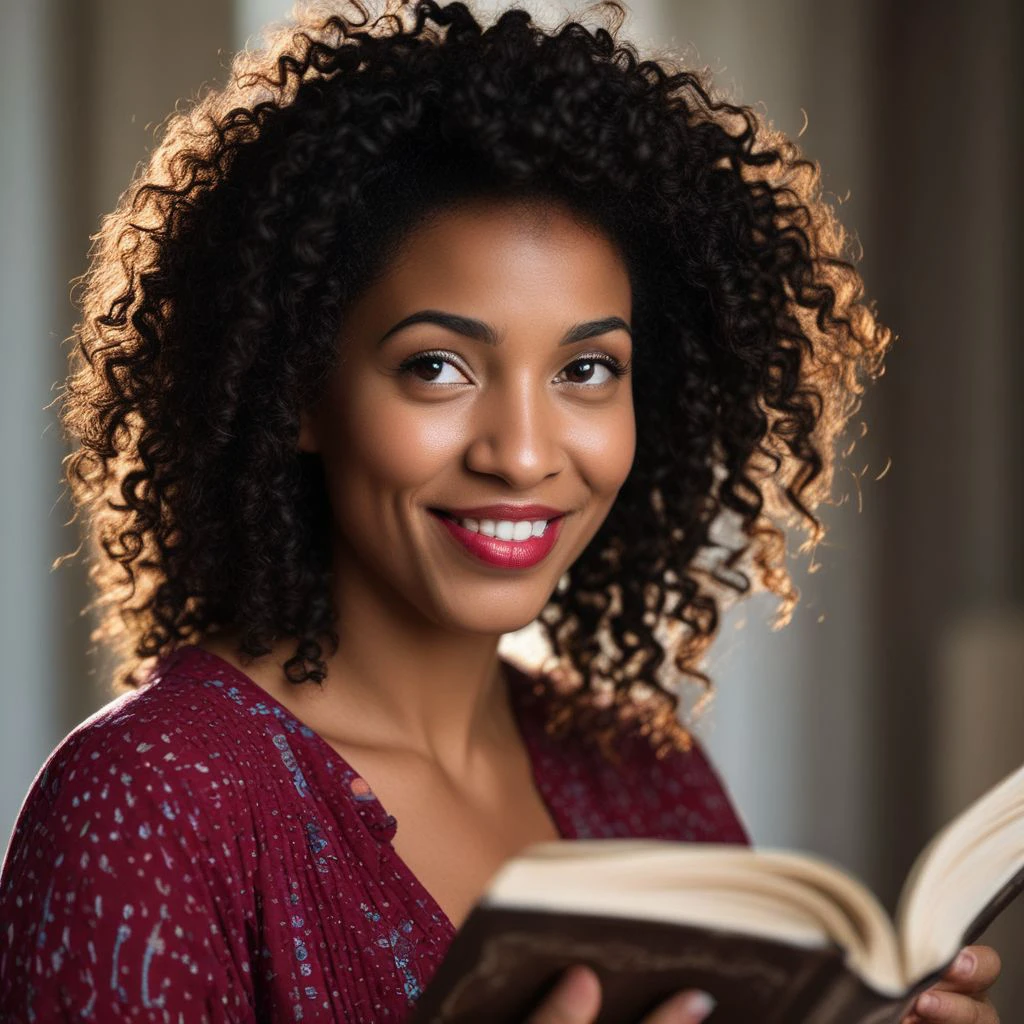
[[30, 452]]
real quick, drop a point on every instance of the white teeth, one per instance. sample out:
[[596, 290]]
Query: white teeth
[[522, 530], [506, 529]]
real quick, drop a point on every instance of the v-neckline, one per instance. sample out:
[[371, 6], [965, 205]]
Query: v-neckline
[[378, 826]]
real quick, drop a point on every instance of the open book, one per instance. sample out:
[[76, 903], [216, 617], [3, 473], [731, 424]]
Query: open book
[[775, 937]]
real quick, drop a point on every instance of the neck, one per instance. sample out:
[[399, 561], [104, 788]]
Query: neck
[[415, 686], [398, 681]]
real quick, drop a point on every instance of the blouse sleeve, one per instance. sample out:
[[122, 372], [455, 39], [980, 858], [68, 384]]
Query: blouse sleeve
[[111, 902]]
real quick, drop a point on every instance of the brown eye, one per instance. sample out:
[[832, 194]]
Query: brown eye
[[433, 368], [593, 371], [428, 368], [581, 372]]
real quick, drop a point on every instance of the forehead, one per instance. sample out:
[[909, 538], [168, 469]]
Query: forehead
[[502, 245]]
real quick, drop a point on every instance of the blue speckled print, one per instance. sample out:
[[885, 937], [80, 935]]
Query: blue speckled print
[[193, 853]]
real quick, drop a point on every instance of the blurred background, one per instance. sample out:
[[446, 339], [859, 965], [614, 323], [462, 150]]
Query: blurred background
[[896, 695]]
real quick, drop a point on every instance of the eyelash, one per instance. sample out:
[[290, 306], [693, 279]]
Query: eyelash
[[616, 368]]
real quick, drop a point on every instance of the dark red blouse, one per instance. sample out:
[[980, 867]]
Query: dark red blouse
[[192, 853]]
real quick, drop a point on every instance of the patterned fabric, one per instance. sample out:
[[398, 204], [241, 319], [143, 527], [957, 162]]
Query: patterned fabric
[[192, 853]]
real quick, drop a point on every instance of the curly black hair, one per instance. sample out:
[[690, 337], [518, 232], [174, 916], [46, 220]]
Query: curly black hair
[[215, 291]]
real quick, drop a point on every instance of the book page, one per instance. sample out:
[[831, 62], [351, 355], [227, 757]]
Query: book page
[[774, 894], [958, 874]]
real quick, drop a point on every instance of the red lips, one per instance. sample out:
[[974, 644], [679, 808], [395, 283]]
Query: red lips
[[504, 554]]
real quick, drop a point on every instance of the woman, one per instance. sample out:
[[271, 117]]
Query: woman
[[411, 336]]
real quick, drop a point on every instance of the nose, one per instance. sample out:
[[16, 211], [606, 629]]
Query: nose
[[517, 436]]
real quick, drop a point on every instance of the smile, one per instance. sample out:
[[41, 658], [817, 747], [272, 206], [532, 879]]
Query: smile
[[505, 529], [505, 543]]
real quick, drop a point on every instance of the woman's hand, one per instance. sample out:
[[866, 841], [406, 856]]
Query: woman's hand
[[959, 998], [577, 999]]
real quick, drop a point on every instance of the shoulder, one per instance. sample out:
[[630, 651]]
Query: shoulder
[[669, 792], [690, 799], [145, 749], [115, 866], [136, 772], [144, 783]]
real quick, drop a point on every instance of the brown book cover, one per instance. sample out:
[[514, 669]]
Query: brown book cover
[[504, 961]]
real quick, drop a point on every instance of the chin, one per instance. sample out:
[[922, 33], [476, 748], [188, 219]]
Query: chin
[[491, 615]]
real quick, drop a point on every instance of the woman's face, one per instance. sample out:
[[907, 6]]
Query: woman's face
[[486, 371]]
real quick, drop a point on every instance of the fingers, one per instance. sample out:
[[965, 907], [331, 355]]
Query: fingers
[[959, 996], [684, 1008], [575, 1000], [934, 1007], [974, 970]]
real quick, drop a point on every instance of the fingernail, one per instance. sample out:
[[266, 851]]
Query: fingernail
[[965, 964], [696, 1007], [928, 1003]]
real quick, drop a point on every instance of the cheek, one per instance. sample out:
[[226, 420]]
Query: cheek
[[605, 448], [384, 442]]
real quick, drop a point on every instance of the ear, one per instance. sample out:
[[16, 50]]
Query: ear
[[307, 434]]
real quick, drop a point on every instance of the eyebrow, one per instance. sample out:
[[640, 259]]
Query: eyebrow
[[481, 331]]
